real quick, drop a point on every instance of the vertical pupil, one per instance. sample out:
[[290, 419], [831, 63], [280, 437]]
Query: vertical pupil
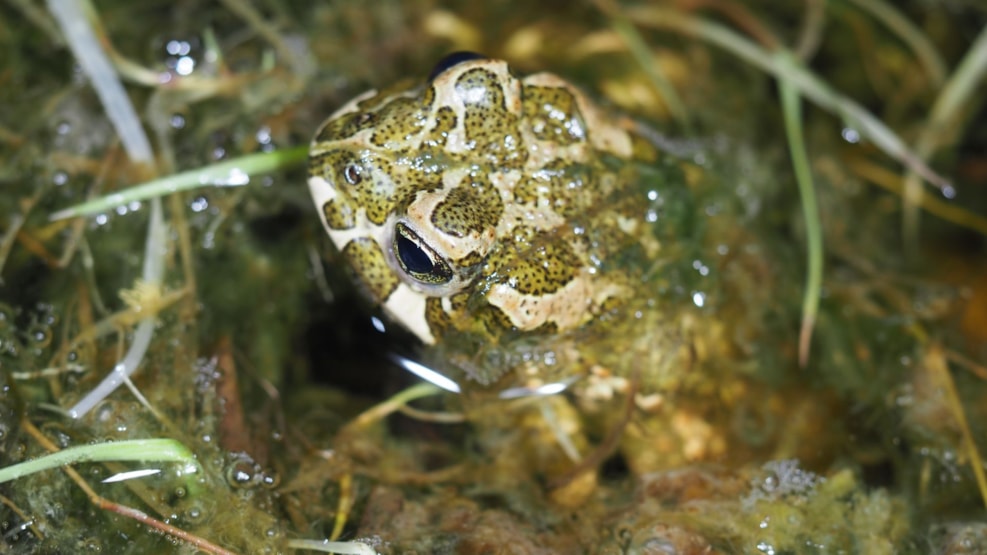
[[414, 258]]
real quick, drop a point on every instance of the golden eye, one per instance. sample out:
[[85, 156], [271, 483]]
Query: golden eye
[[417, 259]]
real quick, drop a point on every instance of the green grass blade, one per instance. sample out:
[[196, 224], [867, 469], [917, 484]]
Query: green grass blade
[[911, 35], [639, 50], [233, 172], [808, 84], [165, 450], [792, 110]]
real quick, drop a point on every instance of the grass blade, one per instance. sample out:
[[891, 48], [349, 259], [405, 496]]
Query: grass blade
[[165, 450], [233, 172], [792, 110]]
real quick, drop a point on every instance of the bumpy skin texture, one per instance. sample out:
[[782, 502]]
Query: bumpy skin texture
[[480, 204]]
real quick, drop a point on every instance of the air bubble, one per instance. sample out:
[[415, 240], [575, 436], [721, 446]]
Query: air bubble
[[199, 204], [178, 47], [239, 477], [264, 135], [242, 472], [766, 548], [270, 480], [185, 65], [39, 335]]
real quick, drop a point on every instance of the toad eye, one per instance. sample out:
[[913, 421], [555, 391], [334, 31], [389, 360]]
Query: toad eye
[[451, 60], [417, 259]]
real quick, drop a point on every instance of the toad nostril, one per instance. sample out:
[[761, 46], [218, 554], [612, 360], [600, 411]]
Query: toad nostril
[[352, 174]]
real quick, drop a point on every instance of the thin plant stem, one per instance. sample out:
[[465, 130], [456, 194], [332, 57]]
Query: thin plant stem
[[640, 52], [911, 35], [233, 172], [792, 111], [955, 94], [808, 84], [936, 363]]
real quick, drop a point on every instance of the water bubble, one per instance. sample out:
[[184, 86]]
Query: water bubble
[[850, 135], [185, 65], [270, 480], [194, 514], [39, 335], [178, 47], [766, 548], [263, 135], [199, 204], [239, 477], [242, 472]]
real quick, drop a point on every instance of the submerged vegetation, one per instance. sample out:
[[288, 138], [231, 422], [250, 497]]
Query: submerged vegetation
[[175, 331]]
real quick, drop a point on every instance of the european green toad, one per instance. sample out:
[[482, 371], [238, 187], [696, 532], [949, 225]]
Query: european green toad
[[488, 211]]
